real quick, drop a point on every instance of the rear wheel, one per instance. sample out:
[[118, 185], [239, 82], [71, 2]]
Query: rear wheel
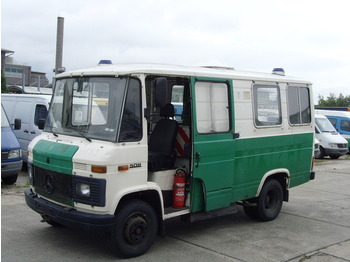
[[270, 201], [135, 229], [250, 211]]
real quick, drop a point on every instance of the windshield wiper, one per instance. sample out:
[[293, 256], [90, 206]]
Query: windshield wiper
[[80, 133]]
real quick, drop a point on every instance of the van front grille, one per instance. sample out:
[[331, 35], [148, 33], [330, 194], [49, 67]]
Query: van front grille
[[54, 185]]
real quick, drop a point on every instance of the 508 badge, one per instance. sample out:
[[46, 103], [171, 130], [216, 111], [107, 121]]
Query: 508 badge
[[135, 165]]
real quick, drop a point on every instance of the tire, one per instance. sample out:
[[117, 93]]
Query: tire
[[334, 156], [135, 229], [9, 180], [270, 201], [250, 211], [320, 154]]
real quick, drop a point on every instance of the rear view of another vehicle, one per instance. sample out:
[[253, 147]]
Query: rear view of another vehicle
[[11, 161]]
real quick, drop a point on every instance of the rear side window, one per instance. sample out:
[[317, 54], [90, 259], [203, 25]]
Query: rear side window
[[299, 105], [267, 105], [345, 125], [40, 113]]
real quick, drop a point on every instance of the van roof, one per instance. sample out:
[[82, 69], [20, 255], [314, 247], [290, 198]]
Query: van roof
[[177, 70], [320, 116], [333, 113], [46, 97]]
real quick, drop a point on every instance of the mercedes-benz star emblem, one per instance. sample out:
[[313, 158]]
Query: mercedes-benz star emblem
[[49, 184]]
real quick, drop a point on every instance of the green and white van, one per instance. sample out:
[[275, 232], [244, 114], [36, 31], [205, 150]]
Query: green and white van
[[111, 147]]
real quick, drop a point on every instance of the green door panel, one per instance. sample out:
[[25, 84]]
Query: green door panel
[[213, 164], [54, 156]]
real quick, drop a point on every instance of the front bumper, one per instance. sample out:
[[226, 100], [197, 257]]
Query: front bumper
[[68, 216], [335, 151], [11, 168]]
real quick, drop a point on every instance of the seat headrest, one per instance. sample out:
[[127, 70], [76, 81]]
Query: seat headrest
[[167, 111]]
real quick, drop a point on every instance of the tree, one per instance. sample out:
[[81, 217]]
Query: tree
[[333, 101], [3, 83]]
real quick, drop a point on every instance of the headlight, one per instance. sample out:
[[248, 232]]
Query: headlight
[[14, 154], [82, 189]]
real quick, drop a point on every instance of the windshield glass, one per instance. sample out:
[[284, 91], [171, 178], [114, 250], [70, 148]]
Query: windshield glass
[[324, 125], [89, 107], [4, 121]]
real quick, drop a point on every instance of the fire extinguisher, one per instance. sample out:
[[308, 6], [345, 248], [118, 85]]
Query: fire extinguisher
[[179, 189]]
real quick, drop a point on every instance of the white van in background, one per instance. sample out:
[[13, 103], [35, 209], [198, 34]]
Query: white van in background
[[340, 120], [32, 110], [332, 144]]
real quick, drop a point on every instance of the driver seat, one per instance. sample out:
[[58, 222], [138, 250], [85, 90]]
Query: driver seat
[[161, 147]]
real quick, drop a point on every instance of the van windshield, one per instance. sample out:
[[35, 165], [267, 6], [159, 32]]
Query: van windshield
[[89, 107], [324, 125], [4, 121]]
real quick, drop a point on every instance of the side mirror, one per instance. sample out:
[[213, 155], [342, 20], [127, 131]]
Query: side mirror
[[17, 124], [41, 123], [161, 91]]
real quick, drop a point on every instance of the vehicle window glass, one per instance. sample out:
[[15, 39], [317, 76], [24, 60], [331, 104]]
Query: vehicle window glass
[[345, 125], [40, 113], [333, 121], [212, 107], [89, 107], [4, 121], [299, 105], [177, 100], [267, 105], [324, 125], [131, 126]]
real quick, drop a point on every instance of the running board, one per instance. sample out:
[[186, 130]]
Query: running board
[[232, 209], [171, 212]]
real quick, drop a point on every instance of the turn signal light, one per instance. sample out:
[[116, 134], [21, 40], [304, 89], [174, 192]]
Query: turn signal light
[[99, 169], [123, 168]]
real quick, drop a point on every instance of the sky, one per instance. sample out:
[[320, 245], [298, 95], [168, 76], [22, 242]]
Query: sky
[[310, 39]]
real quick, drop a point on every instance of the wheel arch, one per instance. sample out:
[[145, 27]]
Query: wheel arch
[[282, 175], [150, 196]]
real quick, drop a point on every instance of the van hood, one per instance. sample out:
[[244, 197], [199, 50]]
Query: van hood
[[331, 138], [8, 139]]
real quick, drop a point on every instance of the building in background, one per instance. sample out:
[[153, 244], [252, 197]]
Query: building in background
[[19, 77]]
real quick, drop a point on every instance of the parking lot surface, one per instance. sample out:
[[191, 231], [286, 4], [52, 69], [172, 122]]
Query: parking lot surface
[[313, 226]]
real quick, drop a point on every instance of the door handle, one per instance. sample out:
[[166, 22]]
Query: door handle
[[33, 132], [198, 157], [25, 131]]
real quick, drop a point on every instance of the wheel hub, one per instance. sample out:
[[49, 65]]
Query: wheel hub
[[135, 229]]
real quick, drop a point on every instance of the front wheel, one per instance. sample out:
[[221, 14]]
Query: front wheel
[[270, 201], [9, 180], [135, 229], [320, 154], [334, 156]]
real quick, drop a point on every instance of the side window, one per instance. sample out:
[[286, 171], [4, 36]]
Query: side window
[[333, 121], [131, 126], [299, 105], [267, 105], [212, 107], [40, 113], [345, 125]]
